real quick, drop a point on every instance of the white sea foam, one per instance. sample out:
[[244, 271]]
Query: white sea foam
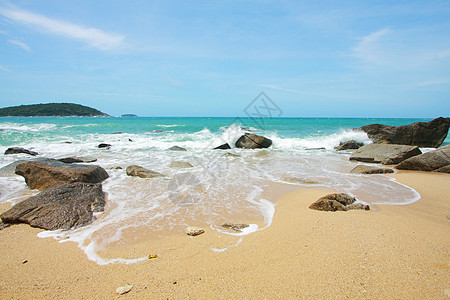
[[215, 190]]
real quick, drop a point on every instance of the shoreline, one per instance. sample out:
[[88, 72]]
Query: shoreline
[[391, 251]]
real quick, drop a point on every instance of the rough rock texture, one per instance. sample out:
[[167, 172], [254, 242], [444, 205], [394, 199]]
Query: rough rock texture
[[430, 161], [4, 225], [46, 174], [16, 150], [71, 160], [349, 145], [193, 231], [10, 170], [60, 207], [422, 134], [253, 141], [445, 169], [385, 154], [235, 227], [363, 169], [223, 147], [176, 148], [337, 202], [180, 164], [142, 172]]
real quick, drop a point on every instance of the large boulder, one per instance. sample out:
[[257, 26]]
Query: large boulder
[[337, 202], [46, 174], [385, 154], [61, 207], [253, 141], [142, 172], [430, 161], [17, 150], [422, 134]]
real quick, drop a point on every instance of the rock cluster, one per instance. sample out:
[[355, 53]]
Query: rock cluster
[[337, 202], [436, 161]]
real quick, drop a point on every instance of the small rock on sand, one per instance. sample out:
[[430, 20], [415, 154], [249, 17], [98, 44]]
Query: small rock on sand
[[193, 231], [124, 289]]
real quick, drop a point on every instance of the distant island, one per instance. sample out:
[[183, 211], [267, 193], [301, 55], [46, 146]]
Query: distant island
[[51, 110], [129, 115]]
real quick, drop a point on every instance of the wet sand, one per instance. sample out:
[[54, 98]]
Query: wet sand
[[389, 252]]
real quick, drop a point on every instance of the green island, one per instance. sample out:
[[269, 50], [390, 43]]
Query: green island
[[50, 110]]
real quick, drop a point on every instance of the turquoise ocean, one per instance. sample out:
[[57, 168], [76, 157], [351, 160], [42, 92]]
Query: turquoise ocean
[[221, 186]]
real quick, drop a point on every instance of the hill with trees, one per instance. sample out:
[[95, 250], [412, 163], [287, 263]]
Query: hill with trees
[[50, 110]]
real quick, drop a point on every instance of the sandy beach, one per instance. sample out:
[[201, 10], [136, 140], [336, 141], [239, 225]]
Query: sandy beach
[[395, 252]]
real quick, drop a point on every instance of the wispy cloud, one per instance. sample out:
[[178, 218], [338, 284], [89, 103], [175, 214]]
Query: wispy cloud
[[434, 82], [4, 68], [91, 36], [368, 48], [20, 44]]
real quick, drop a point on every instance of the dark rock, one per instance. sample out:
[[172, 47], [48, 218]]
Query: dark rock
[[176, 148], [422, 134], [142, 172], [17, 150], [223, 147], [362, 169], [430, 161], [61, 207], [130, 140], [118, 132], [46, 174], [349, 145], [71, 160], [445, 169], [253, 141], [385, 154], [103, 145], [4, 225], [337, 202]]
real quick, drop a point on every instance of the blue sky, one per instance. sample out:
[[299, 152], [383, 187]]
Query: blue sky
[[212, 58]]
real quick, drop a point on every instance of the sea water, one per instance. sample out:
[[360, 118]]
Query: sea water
[[221, 186]]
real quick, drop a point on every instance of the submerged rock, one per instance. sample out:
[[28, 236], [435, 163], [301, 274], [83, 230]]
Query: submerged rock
[[180, 164], [430, 161], [235, 227], [194, 231], [46, 174], [61, 207], [253, 141], [17, 150], [223, 147], [105, 146], [384, 153], [422, 134], [142, 172], [349, 145], [71, 160], [337, 202], [363, 169], [176, 148]]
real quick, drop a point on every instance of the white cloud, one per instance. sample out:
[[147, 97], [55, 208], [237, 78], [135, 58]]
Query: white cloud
[[20, 44], [4, 68], [434, 82], [92, 36], [370, 47]]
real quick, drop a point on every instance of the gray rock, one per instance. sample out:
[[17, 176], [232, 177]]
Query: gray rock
[[422, 134], [176, 148], [71, 160], [61, 207], [17, 150], [142, 172], [349, 145], [384, 153], [430, 161], [10, 170], [253, 141], [223, 147], [180, 164], [337, 202], [46, 174], [193, 231], [363, 169]]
